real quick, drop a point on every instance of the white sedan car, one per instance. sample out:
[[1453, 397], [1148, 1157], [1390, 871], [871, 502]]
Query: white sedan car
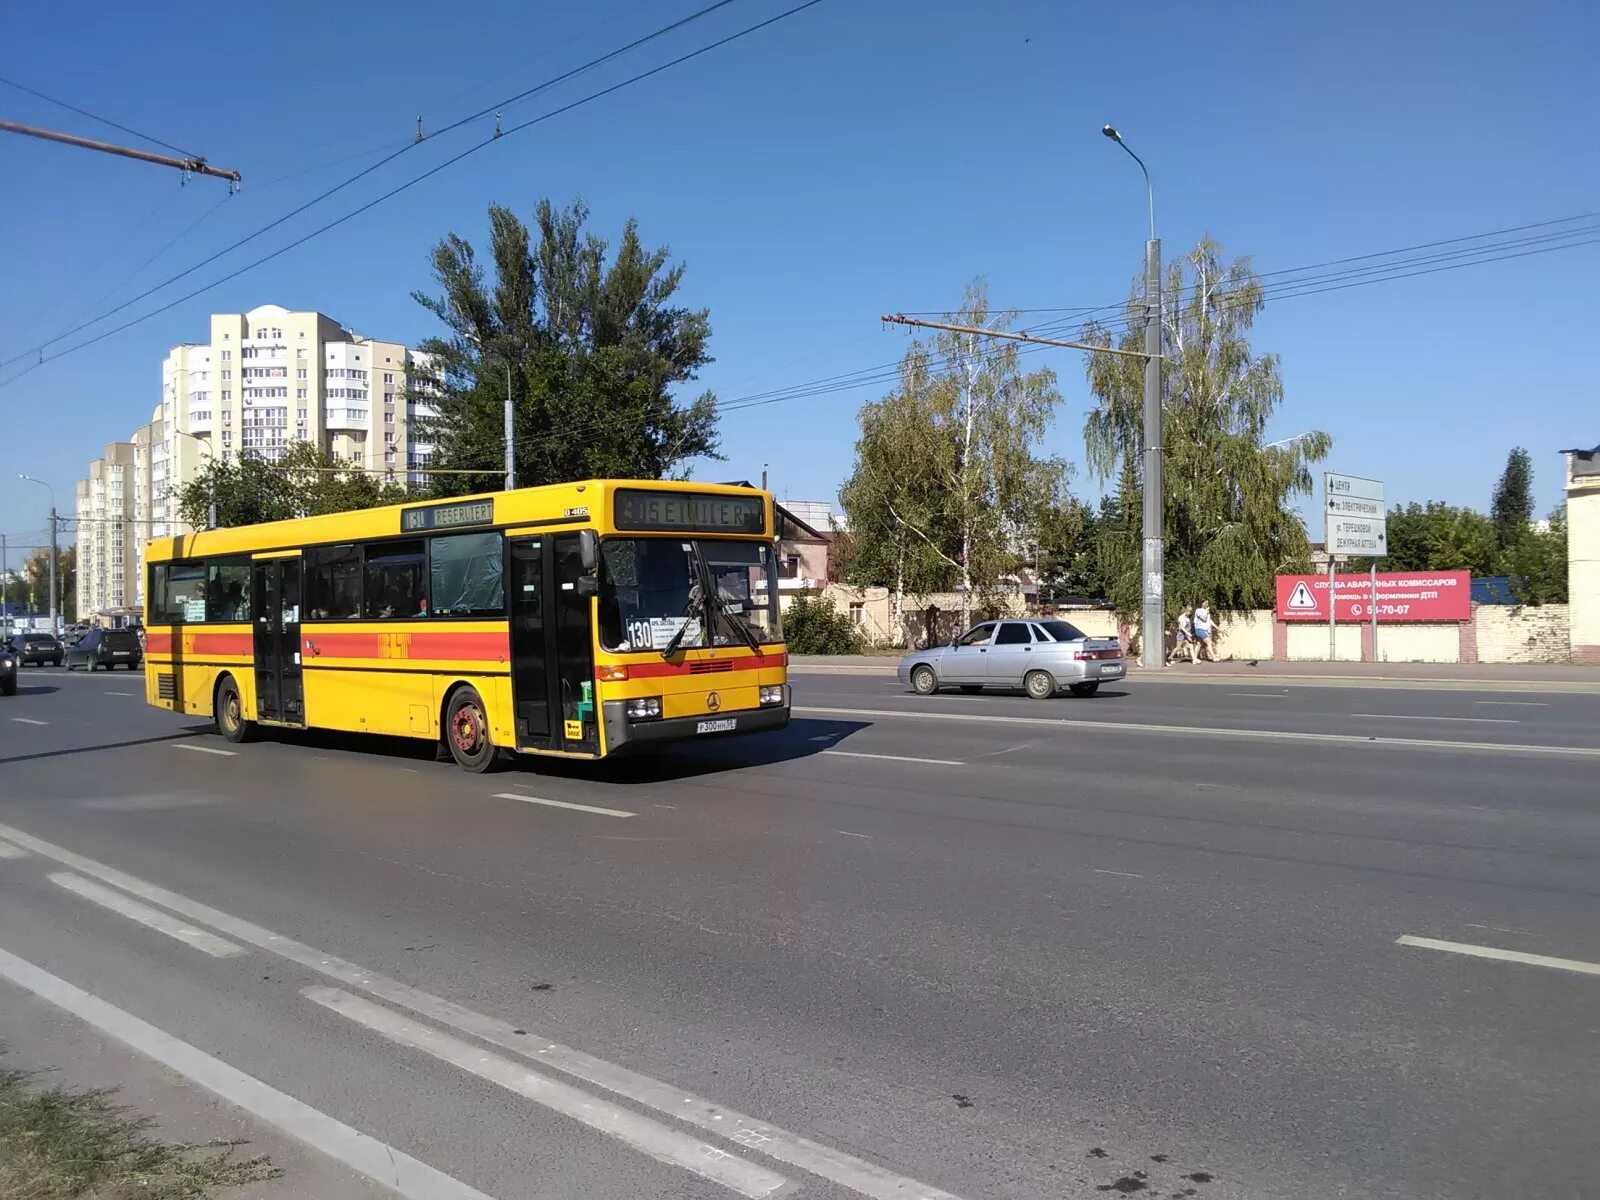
[[1042, 657]]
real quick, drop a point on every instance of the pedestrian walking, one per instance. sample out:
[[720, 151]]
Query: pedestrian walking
[[1184, 643], [1203, 646]]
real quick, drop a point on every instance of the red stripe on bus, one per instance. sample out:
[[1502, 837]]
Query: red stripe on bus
[[342, 645], [479, 647], [709, 667], [223, 643], [157, 643]]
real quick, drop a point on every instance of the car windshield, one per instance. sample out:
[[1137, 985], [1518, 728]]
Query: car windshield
[[1061, 631], [645, 593]]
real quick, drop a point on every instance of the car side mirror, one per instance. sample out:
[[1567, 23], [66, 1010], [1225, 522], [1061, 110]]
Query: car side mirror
[[588, 585], [588, 549]]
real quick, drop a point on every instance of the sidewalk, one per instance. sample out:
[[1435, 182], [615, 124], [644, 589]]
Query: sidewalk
[[1552, 676], [37, 1037]]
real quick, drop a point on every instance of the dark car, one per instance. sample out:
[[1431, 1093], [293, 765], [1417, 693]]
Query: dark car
[[36, 649], [106, 648], [8, 670]]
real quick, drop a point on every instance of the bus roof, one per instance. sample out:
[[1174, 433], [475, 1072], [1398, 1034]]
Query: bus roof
[[578, 505]]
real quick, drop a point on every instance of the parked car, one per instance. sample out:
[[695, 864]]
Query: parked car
[[108, 648], [36, 649], [1042, 657], [8, 671]]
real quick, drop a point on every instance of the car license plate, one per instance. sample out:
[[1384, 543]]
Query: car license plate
[[119, 654], [726, 725], [1112, 670]]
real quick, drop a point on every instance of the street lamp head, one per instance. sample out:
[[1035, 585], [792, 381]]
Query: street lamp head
[[1111, 132]]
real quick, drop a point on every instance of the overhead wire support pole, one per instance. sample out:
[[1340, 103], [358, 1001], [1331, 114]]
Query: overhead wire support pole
[[902, 319], [198, 166]]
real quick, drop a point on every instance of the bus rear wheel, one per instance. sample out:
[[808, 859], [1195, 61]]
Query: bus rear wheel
[[466, 733], [231, 723]]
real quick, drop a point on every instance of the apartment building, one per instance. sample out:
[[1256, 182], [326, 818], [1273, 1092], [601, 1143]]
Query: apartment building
[[261, 381]]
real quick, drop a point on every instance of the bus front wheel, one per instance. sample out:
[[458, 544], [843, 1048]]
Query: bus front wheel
[[229, 710], [466, 732]]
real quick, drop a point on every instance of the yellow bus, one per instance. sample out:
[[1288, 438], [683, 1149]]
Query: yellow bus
[[578, 619]]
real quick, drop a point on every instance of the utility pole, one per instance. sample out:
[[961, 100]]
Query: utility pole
[[54, 550], [197, 166], [511, 443]]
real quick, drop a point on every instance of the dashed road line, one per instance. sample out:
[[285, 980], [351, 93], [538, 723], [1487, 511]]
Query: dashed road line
[[161, 922], [1124, 874], [641, 1133], [122, 693], [1424, 717], [7, 850], [28, 721], [588, 808], [855, 1174], [1259, 695], [932, 762], [1494, 952], [203, 749], [1516, 703], [391, 1169], [847, 833]]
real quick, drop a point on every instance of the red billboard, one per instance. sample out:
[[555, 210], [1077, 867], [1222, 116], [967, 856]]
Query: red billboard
[[1402, 596]]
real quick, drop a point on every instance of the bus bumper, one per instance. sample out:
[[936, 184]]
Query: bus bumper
[[622, 733]]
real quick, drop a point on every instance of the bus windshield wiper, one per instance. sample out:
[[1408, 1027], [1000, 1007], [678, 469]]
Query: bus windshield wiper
[[694, 609], [737, 621]]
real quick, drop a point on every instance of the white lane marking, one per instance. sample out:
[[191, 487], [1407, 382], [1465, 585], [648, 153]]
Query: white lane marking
[[1516, 703], [7, 850], [1515, 956], [1124, 874], [588, 808], [642, 1133], [847, 833], [1500, 929], [145, 915], [120, 693], [383, 1164], [203, 749], [1415, 717], [1219, 731], [932, 762], [673, 807], [853, 1173], [1259, 695], [28, 721]]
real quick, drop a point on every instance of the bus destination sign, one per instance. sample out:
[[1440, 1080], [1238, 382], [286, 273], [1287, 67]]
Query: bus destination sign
[[447, 516], [689, 512]]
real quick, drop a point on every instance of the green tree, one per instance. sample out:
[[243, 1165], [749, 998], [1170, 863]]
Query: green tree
[[1512, 505], [305, 482], [1439, 537], [590, 348], [1537, 563], [947, 460], [1227, 495], [812, 625], [36, 581]]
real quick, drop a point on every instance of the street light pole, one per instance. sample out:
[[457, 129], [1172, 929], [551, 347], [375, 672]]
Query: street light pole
[[55, 552], [1153, 633]]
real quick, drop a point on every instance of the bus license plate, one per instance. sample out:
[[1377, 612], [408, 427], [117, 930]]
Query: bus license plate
[[726, 725]]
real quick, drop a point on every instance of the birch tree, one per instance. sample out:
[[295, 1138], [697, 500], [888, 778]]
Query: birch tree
[[1228, 493], [946, 464]]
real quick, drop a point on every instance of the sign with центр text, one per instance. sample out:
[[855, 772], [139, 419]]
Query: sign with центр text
[[1403, 596]]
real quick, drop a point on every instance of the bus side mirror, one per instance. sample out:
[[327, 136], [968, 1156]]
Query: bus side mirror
[[588, 549], [588, 585]]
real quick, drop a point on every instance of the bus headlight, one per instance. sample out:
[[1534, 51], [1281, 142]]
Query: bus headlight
[[777, 693], [644, 708]]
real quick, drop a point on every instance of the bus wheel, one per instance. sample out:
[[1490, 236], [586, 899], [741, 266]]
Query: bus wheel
[[229, 710], [466, 733]]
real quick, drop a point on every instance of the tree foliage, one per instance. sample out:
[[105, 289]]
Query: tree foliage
[[35, 582], [590, 347], [1511, 507], [1439, 537], [812, 625], [947, 487], [305, 482], [1227, 495]]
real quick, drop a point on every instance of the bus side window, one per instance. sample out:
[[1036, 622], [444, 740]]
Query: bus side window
[[333, 583]]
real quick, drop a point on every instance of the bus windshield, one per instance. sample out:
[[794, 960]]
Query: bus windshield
[[648, 594]]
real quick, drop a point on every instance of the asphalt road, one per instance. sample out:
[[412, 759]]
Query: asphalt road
[[966, 946]]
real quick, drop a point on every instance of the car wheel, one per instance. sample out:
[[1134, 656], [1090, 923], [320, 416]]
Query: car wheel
[[923, 681], [1039, 685], [1085, 689], [466, 733], [231, 723], [8, 687], [971, 689]]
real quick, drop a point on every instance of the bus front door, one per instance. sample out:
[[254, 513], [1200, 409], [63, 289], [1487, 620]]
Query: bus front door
[[275, 593], [552, 660]]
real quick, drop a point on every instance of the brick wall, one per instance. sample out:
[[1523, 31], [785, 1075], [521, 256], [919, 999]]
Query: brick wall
[[1522, 635]]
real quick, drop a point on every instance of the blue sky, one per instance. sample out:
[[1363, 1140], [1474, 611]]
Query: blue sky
[[857, 158]]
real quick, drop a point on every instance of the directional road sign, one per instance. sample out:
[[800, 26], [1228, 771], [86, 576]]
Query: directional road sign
[[1354, 520]]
